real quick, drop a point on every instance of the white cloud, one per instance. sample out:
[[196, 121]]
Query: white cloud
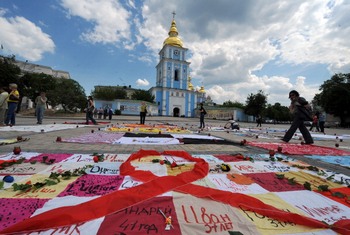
[[142, 82], [22, 37], [109, 18], [231, 40], [2, 11], [231, 43]]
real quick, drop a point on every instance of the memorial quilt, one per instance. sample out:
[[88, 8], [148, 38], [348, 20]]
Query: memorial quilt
[[170, 192]]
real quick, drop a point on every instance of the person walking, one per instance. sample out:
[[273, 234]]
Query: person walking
[[202, 113], [322, 120], [3, 105], [143, 112], [90, 111], [299, 108], [314, 123], [40, 102], [12, 103], [258, 121]]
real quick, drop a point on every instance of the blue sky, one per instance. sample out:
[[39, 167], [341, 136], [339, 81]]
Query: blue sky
[[235, 47]]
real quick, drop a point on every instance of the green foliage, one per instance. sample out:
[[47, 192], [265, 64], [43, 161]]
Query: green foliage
[[9, 72], [34, 83], [109, 93], [21, 187], [307, 186], [329, 98], [143, 95], [69, 94], [277, 112], [235, 104], [60, 91], [256, 103]]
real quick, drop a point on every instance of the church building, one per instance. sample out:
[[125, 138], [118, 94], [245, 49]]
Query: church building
[[174, 93]]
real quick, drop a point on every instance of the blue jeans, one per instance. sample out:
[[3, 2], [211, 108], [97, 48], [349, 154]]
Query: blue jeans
[[11, 113], [39, 112]]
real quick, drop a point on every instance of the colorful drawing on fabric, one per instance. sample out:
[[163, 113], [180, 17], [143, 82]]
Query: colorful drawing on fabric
[[338, 160], [96, 137], [92, 185], [147, 128], [143, 138], [300, 149], [16, 210], [40, 128], [12, 140], [137, 193]]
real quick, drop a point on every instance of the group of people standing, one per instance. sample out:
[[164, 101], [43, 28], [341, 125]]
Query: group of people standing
[[9, 100]]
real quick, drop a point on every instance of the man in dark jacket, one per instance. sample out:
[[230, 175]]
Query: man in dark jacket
[[299, 108]]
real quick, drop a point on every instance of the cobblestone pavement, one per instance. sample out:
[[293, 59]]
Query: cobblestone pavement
[[46, 142]]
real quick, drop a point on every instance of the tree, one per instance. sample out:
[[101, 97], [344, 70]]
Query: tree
[[277, 112], [256, 103], [335, 96], [236, 104], [9, 72], [34, 83], [69, 94], [109, 93], [143, 95]]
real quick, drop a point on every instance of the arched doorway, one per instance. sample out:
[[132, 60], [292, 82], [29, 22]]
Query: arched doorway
[[176, 112]]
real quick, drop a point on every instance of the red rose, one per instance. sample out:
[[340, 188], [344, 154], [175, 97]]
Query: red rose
[[96, 159]]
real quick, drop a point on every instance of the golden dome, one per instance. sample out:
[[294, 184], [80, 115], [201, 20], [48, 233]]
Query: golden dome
[[173, 39], [189, 84], [202, 89]]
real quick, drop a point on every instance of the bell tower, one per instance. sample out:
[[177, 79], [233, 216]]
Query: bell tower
[[172, 93]]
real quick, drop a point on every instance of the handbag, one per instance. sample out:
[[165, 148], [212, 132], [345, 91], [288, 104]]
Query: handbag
[[307, 112]]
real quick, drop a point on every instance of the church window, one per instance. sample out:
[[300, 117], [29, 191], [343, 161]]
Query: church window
[[176, 75]]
